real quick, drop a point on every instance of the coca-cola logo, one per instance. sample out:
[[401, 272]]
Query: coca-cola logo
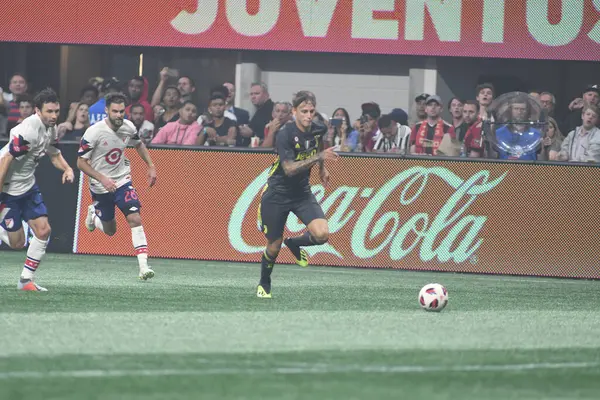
[[450, 235]]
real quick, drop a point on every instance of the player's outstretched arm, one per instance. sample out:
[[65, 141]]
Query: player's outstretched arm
[[61, 164], [292, 168], [5, 161], [145, 155]]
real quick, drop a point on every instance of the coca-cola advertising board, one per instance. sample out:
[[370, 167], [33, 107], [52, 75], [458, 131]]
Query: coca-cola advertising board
[[545, 29], [417, 214]]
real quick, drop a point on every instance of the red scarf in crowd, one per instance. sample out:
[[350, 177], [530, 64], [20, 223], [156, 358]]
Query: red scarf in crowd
[[422, 141]]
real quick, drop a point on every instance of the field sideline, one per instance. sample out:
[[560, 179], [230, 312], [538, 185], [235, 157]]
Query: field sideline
[[198, 331]]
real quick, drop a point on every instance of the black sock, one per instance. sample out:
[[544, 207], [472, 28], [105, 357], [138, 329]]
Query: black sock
[[266, 268], [302, 241]]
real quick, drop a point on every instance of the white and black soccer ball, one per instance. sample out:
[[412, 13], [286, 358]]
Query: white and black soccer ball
[[433, 297]]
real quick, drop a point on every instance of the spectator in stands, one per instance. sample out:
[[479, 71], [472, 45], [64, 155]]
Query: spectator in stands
[[282, 113], [427, 136], [218, 129], [548, 102], [455, 106], [88, 95], [171, 103], [25, 107], [340, 134], [185, 131], [421, 115], [472, 141], [138, 94], [242, 116], [583, 143], [551, 142], [145, 128], [259, 96], [392, 136], [485, 95], [516, 141], [535, 94], [97, 110], [75, 127], [222, 90], [187, 88], [368, 126], [591, 95], [9, 107]]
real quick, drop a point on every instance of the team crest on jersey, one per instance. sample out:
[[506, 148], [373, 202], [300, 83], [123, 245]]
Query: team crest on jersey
[[114, 156], [105, 143], [296, 138], [9, 222]]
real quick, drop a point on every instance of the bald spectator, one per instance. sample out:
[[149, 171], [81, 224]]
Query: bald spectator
[[260, 98]]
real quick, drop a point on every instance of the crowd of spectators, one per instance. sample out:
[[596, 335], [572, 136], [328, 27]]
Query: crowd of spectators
[[171, 116]]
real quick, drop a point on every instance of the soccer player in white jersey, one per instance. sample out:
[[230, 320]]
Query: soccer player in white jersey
[[20, 197], [102, 158]]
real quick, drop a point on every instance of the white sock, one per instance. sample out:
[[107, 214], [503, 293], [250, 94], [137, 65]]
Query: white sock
[[140, 246], [4, 236], [35, 252], [98, 223]]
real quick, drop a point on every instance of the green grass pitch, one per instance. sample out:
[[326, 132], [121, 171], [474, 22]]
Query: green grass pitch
[[197, 331]]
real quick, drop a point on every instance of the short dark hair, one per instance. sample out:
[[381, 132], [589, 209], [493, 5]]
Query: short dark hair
[[24, 98], [455, 98], [137, 105], [137, 78], [18, 73], [45, 96], [221, 89], [485, 85], [473, 103], [88, 88], [172, 88], [189, 78], [304, 96], [216, 96], [384, 121], [185, 103], [115, 98]]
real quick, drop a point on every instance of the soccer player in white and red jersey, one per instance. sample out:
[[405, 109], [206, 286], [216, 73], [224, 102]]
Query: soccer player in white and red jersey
[[102, 158], [20, 197]]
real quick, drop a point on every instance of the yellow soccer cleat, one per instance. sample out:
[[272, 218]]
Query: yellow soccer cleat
[[300, 255], [261, 293]]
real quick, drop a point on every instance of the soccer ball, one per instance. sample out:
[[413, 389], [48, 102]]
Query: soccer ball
[[433, 297]]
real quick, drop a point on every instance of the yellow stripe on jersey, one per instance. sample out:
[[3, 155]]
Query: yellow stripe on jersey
[[274, 166]]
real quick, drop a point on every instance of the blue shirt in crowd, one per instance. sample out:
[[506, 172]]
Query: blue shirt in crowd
[[517, 145]]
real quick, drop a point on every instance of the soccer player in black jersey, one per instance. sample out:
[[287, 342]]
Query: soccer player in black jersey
[[299, 146]]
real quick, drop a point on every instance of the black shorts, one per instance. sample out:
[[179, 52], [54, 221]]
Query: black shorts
[[275, 207]]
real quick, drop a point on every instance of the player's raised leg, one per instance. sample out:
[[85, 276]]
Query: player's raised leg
[[311, 214]]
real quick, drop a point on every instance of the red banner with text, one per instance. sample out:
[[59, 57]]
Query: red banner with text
[[483, 217], [544, 29]]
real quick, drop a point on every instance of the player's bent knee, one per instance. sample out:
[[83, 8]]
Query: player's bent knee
[[321, 237], [43, 232], [134, 220]]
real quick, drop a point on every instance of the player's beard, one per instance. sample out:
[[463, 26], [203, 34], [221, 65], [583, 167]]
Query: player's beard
[[116, 122]]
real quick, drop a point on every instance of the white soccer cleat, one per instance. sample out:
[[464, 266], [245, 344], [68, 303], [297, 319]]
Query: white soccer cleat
[[89, 219], [146, 273], [30, 286]]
